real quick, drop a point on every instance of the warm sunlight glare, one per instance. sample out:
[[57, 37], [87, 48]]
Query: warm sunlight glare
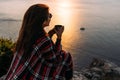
[[63, 7], [64, 4], [64, 14]]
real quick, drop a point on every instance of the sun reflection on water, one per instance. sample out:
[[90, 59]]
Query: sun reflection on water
[[64, 14]]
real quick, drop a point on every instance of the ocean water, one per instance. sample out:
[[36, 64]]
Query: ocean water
[[100, 18]]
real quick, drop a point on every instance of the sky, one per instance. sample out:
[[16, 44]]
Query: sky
[[16, 8]]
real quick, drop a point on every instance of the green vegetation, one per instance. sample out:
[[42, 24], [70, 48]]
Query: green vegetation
[[6, 46], [6, 54]]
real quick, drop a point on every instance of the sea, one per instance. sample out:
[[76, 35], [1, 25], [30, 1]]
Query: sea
[[100, 18]]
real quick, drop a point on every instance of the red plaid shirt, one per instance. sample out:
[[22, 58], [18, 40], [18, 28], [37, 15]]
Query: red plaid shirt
[[47, 62]]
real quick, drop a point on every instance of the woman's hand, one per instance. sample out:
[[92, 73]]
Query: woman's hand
[[59, 32], [51, 33]]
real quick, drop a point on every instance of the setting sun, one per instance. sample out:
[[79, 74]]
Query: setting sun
[[64, 4]]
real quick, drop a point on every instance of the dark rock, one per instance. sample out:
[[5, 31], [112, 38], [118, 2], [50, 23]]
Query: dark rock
[[82, 28]]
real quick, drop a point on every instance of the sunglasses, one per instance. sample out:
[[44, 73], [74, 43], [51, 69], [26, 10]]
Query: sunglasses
[[50, 15]]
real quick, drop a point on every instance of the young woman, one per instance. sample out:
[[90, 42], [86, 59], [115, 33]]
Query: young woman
[[36, 56]]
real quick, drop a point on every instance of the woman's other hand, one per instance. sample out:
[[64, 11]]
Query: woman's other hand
[[51, 32]]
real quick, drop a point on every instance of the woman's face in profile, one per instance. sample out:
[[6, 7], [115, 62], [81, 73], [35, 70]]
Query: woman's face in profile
[[47, 22]]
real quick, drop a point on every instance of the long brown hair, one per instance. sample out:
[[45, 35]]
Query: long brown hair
[[31, 27]]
